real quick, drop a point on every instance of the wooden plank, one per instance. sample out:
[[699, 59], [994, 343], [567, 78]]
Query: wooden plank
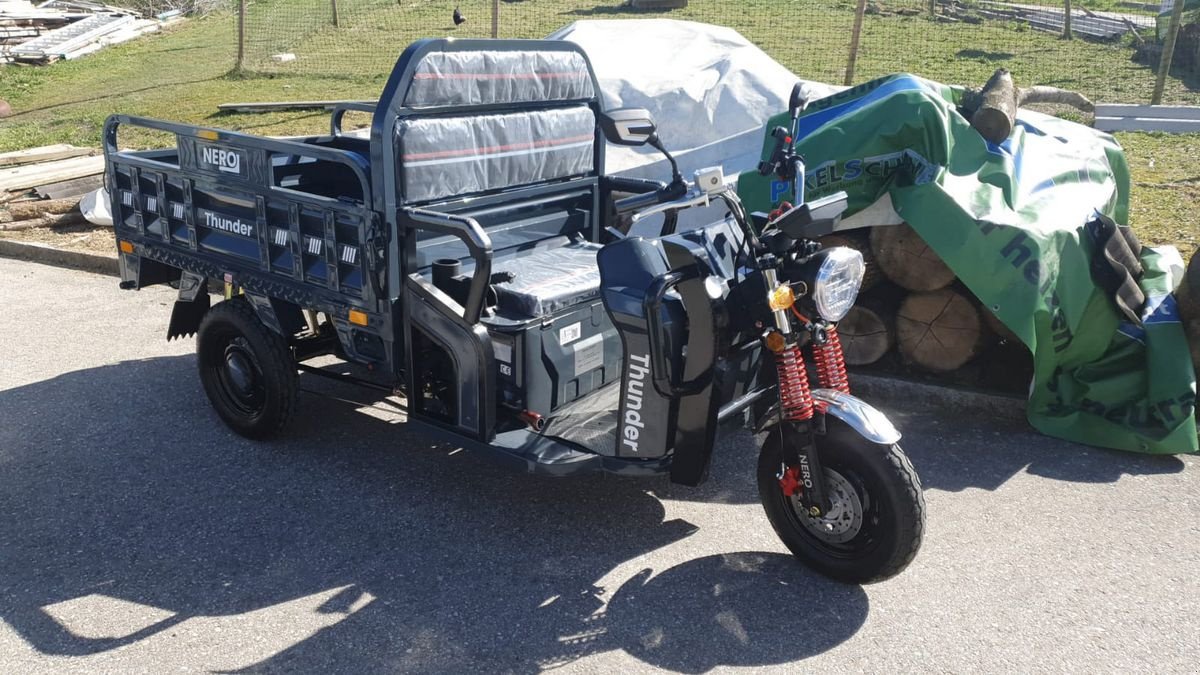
[[32, 175], [281, 105], [70, 188], [1171, 112], [46, 153], [1147, 124]]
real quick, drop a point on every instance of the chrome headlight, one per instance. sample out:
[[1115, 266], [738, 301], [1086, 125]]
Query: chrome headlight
[[836, 275]]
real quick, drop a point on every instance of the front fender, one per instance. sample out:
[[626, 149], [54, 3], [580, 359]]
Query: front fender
[[861, 416]]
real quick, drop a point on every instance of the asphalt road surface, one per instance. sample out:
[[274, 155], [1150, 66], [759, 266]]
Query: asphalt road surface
[[138, 534]]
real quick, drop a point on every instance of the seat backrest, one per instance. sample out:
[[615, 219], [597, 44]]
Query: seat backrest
[[499, 127]]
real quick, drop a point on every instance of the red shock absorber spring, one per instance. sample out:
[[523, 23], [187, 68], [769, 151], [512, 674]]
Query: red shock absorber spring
[[831, 363], [794, 395]]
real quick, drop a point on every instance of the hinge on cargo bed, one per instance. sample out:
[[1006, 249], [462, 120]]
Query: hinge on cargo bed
[[377, 242]]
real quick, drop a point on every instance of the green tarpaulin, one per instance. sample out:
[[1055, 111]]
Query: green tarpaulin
[[1009, 220]]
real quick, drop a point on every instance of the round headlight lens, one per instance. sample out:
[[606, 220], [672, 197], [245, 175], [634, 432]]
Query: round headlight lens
[[838, 279]]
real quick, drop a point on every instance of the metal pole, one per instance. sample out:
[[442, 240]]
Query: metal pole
[[854, 35], [241, 57], [495, 18], [1067, 20], [1164, 61], [336, 20]]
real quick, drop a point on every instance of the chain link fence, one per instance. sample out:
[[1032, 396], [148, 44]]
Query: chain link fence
[[1108, 50]]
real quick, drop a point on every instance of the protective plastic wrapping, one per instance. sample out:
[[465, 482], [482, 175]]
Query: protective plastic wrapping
[[709, 88], [549, 280], [446, 156], [487, 77]]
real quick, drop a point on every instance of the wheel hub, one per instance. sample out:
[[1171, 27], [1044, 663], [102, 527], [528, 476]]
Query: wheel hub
[[844, 519], [240, 374]]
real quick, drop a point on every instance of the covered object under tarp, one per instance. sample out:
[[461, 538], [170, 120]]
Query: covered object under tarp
[[1009, 219]]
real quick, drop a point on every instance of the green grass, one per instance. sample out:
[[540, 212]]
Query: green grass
[[185, 73]]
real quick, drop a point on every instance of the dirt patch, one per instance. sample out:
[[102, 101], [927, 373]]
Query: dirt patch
[[92, 239]]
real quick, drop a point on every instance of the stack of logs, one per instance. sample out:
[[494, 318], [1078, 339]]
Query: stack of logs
[[912, 302]]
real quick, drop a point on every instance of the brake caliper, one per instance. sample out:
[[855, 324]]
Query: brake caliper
[[790, 481]]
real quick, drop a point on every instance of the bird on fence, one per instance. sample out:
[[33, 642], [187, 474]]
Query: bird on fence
[[459, 19]]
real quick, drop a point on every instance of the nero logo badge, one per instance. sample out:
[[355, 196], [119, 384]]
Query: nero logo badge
[[221, 159]]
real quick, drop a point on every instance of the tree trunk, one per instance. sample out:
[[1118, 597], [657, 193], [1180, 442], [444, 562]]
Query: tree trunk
[[49, 220], [997, 112], [859, 240], [993, 109], [939, 330], [903, 257], [37, 209]]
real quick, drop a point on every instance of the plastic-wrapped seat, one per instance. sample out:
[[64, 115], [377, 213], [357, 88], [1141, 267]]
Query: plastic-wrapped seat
[[549, 280]]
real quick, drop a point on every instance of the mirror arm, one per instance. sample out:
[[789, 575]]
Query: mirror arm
[[656, 143]]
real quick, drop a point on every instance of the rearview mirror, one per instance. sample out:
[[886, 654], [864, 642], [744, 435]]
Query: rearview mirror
[[628, 126], [797, 102]]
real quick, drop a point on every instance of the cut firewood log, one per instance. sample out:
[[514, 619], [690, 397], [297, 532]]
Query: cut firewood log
[[938, 330], [992, 109], [36, 208], [868, 331], [859, 240], [903, 257]]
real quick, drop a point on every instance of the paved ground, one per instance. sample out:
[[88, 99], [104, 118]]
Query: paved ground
[[136, 533]]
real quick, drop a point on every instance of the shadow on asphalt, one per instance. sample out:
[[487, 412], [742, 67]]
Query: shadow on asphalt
[[120, 481]]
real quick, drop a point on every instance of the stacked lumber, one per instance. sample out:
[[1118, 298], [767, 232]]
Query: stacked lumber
[[67, 29], [41, 187], [1107, 26]]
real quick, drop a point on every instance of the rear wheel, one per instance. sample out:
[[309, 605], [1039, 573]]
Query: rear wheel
[[877, 512], [246, 369]]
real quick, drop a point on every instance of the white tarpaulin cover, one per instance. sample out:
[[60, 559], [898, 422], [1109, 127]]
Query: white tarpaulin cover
[[709, 89]]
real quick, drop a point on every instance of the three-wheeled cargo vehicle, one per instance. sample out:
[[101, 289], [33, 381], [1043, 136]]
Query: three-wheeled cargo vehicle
[[469, 254]]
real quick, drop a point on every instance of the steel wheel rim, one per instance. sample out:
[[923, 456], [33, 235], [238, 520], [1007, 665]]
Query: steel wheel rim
[[240, 377]]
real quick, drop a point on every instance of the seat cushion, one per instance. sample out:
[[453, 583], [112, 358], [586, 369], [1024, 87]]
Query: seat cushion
[[549, 280], [454, 156]]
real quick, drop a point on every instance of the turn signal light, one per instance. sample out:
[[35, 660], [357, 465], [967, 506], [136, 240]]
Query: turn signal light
[[125, 246], [357, 317], [781, 298]]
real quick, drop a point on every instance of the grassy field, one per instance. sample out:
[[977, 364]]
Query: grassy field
[[185, 73]]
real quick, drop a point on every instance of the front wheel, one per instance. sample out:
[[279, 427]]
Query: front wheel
[[877, 511]]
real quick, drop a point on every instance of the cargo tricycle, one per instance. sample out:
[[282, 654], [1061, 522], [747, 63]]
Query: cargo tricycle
[[472, 255]]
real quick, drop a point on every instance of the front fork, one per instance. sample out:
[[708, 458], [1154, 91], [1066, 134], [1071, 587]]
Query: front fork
[[802, 419]]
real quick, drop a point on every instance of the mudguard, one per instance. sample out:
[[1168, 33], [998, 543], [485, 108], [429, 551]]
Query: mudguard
[[858, 414]]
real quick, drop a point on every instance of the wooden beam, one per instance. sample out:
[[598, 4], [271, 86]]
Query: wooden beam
[[1169, 112], [46, 153], [1147, 124], [33, 175], [282, 105]]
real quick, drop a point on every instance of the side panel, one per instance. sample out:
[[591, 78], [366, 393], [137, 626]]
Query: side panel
[[646, 423]]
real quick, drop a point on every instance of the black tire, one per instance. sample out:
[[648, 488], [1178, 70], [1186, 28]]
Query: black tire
[[247, 370], [890, 502]]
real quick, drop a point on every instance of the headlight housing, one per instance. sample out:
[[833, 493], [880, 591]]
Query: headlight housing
[[833, 276]]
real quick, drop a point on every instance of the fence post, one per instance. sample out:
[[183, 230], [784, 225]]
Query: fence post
[[495, 18], [1067, 34], [932, 8], [241, 56], [854, 35], [1164, 61], [336, 20]]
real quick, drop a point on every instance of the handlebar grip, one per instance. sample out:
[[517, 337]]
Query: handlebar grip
[[636, 202]]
